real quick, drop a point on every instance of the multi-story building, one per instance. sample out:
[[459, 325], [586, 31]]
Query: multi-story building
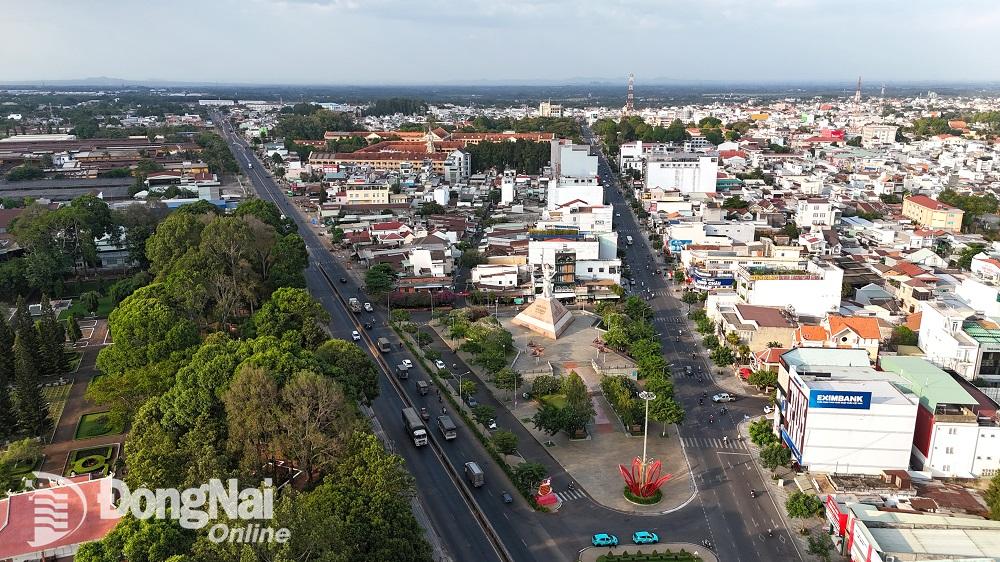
[[956, 433], [585, 268], [687, 172], [874, 136], [715, 266], [812, 291], [758, 326], [837, 414], [933, 213], [816, 212], [574, 190], [367, 194], [572, 160], [549, 109]]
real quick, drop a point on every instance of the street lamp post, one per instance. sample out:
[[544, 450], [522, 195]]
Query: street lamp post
[[646, 396]]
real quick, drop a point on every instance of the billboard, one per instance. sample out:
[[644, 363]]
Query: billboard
[[840, 399], [678, 245]]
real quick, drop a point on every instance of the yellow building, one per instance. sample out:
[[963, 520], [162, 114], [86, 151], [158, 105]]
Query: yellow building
[[933, 213], [367, 194]]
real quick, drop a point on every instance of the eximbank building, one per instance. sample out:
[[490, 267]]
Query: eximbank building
[[847, 426]]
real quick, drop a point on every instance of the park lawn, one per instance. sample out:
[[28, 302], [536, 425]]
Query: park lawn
[[557, 400], [82, 461], [104, 307], [96, 425]]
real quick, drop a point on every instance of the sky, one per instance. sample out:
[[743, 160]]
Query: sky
[[471, 41]]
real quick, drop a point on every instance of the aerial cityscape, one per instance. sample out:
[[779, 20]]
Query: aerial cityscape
[[316, 280]]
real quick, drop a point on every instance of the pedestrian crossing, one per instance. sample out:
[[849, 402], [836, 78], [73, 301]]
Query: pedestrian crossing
[[567, 495], [711, 443]]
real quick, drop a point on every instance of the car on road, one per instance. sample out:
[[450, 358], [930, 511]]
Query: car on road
[[491, 424], [604, 539], [723, 397], [355, 336], [424, 414], [768, 408], [368, 325], [645, 537], [343, 280], [368, 307], [506, 497], [472, 402], [440, 364], [408, 363]]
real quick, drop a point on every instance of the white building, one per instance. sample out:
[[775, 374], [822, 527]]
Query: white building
[[814, 291], [565, 190], [942, 337], [816, 212], [686, 172], [507, 187], [495, 276], [874, 136], [549, 109], [585, 265], [457, 167], [570, 159]]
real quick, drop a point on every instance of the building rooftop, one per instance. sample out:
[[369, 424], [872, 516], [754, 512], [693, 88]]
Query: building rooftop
[[930, 383], [929, 203], [983, 330]]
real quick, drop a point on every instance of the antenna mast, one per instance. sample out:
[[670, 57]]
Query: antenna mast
[[857, 93], [630, 97]]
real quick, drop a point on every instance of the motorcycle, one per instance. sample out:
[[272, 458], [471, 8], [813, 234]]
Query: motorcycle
[[753, 494]]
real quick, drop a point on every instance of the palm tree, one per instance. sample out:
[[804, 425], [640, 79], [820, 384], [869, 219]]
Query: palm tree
[[744, 353]]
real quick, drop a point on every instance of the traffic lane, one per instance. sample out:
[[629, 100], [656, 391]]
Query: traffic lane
[[532, 540], [447, 511]]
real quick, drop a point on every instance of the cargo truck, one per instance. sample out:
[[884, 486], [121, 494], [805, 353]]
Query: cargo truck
[[415, 427], [354, 304], [402, 371]]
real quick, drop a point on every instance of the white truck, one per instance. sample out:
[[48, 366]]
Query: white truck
[[415, 427]]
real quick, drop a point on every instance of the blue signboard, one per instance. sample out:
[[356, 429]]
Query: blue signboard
[[678, 245], [840, 399], [791, 445]]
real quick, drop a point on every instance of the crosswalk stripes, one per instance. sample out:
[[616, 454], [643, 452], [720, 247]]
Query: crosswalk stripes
[[568, 495], [711, 443]]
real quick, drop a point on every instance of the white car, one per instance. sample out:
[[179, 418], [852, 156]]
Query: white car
[[723, 397], [356, 335], [368, 307], [408, 363], [440, 364], [768, 408]]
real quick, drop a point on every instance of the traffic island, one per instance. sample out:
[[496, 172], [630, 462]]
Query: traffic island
[[639, 500], [672, 552]]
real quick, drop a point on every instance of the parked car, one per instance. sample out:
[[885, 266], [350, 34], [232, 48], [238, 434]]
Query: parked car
[[472, 402], [408, 363], [355, 335], [440, 364], [604, 539], [723, 397], [645, 537], [491, 424], [768, 408]]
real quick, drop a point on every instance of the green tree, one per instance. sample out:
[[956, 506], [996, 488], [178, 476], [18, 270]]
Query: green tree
[[761, 433], [140, 540], [689, 298], [51, 359], [350, 366], [549, 418], [992, 497], [774, 455], [379, 279], [544, 385], [253, 409], [722, 356], [820, 545], [399, 315], [665, 409], [528, 475], [763, 378], [8, 422], [23, 451], [292, 309], [90, 301], [423, 338], [483, 413], [579, 409], [965, 256], [507, 379], [30, 407], [504, 441], [802, 505], [469, 387], [901, 335]]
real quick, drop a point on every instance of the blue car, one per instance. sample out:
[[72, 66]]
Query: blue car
[[604, 539], [645, 537]]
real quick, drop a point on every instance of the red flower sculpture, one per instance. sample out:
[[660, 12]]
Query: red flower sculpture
[[643, 483]]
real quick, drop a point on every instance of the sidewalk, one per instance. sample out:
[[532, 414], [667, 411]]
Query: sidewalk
[[591, 554], [780, 494], [593, 462]]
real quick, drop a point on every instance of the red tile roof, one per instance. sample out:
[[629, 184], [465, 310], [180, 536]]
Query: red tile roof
[[929, 203], [865, 327]]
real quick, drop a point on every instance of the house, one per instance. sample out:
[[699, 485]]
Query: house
[[758, 326], [843, 332]]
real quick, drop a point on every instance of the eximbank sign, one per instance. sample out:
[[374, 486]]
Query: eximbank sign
[[841, 399]]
